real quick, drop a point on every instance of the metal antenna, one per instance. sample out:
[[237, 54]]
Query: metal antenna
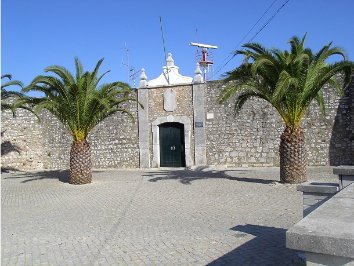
[[196, 32], [127, 50], [126, 64], [134, 75], [202, 59], [164, 49], [129, 69]]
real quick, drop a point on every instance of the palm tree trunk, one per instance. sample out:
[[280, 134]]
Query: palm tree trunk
[[292, 152], [80, 163]]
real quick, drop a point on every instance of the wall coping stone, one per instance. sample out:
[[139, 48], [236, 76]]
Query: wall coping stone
[[327, 230], [316, 187]]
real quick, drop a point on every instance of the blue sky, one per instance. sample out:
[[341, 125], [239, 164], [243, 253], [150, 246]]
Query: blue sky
[[39, 33]]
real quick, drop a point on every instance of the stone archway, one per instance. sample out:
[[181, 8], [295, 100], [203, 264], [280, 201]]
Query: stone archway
[[156, 138]]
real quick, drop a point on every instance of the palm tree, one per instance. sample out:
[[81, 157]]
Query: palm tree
[[12, 100], [79, 104], [289, 81], [6, 94]]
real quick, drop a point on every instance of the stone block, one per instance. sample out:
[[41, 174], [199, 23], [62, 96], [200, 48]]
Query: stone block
[[345, 175], [169, 100], [144, 157], [318, 187], [310, 201], [328, 230], [347, 170]]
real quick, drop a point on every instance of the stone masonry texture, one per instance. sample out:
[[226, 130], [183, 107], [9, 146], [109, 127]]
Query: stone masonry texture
[[27, 144], [184, 106], [251, 138]]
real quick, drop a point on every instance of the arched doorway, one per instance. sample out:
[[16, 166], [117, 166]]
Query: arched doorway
[[172, 147], [155, 128]]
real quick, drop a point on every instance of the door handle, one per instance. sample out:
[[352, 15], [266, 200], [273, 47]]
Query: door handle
[[173, 148]]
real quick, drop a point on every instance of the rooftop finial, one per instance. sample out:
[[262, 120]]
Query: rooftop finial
[[143, 78], [198, 77], [170, 62]]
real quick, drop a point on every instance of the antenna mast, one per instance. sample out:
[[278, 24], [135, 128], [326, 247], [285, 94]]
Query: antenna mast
[[164, 49], [127, 64], [130, 69], [202, 58]]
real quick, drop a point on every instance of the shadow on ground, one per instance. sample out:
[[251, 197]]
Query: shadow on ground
[[266, 248], [186, 177], [61, 175]]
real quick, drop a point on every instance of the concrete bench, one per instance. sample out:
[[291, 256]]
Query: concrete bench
[[326, 234], [315, 194], [345, 175]]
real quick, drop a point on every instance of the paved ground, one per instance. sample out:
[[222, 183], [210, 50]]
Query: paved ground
[[151, 217]]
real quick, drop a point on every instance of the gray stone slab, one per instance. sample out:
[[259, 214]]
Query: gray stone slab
[[144, 134], [199, 131], [144, 157], [169, 100], [327, 230], [310, 201], [344, 170], [318, 187]]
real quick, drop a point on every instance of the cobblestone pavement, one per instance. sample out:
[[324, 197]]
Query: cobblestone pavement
[[151, 217]]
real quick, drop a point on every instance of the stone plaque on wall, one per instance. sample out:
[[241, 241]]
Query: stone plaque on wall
[[169, 100], [198, 124]]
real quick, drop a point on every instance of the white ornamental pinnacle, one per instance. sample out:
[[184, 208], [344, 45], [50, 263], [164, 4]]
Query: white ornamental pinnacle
[[198, 77], [170, 75], [170, 62], [143, 78], [143, 75]]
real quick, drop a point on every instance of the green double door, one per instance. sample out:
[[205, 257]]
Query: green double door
[[172, 145]]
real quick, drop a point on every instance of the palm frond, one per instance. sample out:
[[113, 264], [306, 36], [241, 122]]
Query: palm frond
[[290, 81], [79, 103], [18, 99]]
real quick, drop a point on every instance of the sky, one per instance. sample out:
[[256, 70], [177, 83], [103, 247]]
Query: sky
[[40, 33]]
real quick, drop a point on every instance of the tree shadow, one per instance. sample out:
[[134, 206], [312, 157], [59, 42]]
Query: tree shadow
[[186, 177], [268, 247], [61, 175], [341, 150], [7, 147], [7, 169]]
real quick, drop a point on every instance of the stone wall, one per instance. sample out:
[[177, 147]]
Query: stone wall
[[115, 141], [184, 100], [27, 144], [56, 142], [341, 148], [251, 138], [21, 141]]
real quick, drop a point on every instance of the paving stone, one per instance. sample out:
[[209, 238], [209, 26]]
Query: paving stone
[[151, 217]]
